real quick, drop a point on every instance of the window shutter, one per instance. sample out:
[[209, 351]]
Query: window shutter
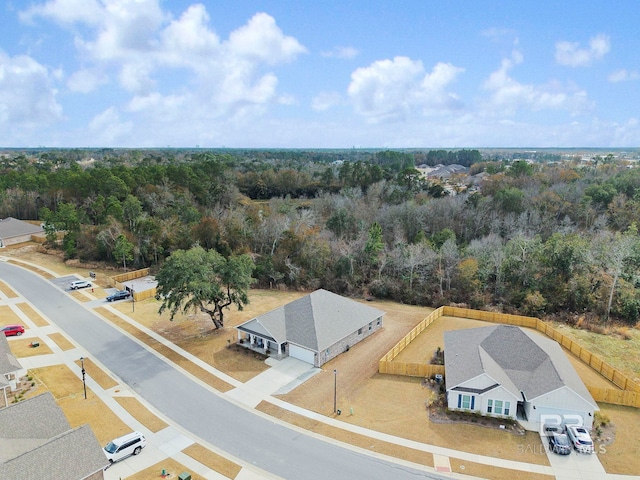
[[459, 400], [472, 401]]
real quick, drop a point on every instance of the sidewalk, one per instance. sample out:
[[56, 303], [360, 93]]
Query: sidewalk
[[283, 376]]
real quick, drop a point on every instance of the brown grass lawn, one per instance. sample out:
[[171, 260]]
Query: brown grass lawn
[[32, 314], [622, 354], [173, 469], [9, 317], [141, 413], [7, 290], [97, 374], [212, 460], [622, 456], [62, 341], [67, 389], [195, 333], [22, 347]]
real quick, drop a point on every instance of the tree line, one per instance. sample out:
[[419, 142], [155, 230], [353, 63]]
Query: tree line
[[537, 238]]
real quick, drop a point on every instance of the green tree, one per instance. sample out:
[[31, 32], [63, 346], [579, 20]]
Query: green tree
[[205, 281], [374, 243], [123, 250]]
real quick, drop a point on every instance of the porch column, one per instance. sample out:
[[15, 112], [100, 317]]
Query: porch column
[[279, 349], [239, 335], [252, 339]]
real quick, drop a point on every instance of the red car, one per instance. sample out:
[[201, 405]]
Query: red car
[[11, 330]]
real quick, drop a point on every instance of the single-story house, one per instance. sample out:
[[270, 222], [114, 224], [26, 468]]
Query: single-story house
[[10, 368], [314, 328], [508, 371], [36, 441], [14, 231]]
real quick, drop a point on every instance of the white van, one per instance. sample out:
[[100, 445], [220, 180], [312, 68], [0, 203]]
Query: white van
[[122, 447]]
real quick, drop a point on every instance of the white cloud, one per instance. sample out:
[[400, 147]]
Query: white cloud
[[570, 53], [66, 11], [86, 80], [390, 90], [262, 39], [27, 97], [141, 46], [341, 52], [108, 129], [623, 75], [325, 100], [508, 95]]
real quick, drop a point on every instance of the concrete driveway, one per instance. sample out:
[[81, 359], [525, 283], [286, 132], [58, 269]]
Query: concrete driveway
[[575, 466]]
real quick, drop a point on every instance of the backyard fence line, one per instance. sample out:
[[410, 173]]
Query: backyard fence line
[[124, 277], [388, 366], [615, 397]]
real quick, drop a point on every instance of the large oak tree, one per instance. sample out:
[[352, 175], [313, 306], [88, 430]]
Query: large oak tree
[[205, 281]]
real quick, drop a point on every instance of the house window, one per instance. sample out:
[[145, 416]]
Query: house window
[[465, 402], [498, 407], [370, 325], [378, 322], [489, 405], [359, 331], [507, 407]]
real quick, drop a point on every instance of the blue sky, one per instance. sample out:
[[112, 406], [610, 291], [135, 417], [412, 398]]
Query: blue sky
[[310, 74]]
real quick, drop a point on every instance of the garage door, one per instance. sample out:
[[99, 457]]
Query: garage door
[[558, 415], [301, 354]]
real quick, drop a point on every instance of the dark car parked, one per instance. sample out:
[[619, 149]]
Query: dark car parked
[[11, 330], [559, 443], [119, 295]]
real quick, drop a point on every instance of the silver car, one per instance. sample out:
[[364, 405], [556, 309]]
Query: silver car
[[580, 439]]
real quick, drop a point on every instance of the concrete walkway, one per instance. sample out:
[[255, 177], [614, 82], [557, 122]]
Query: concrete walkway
[[282, 377]]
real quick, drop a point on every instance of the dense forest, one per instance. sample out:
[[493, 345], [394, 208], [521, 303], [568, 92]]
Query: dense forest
[[535, 233]]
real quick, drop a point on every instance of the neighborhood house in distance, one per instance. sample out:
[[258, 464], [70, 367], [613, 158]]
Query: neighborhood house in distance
[[507, 371], [314, 328], [13, 231]]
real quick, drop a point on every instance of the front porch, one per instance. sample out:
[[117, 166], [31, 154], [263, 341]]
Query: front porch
[[263, 345]]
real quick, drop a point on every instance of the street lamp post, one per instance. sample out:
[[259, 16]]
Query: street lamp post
[[84, 384], [335, 390]]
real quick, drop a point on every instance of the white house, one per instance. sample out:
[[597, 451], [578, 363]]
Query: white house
[[10, 368], [314, 328], [507, 371]]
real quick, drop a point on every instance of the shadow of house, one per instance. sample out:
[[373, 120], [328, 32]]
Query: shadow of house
[[10, 368], [36, 441], [509, 372], [314, 328], [13, 231]]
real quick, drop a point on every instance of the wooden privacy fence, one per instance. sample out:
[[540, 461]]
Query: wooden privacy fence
[[124, 277], [616, 397], [629, 395], [116, 282]]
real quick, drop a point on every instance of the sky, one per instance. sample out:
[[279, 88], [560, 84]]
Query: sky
[[319, 74]]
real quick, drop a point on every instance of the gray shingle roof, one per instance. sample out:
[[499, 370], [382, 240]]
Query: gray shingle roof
[[28, 424], [36, 441], [8, 363], [315, 321], [73, 455], [518, 359], [12, 227]]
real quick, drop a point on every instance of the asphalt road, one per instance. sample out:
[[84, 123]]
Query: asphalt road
[[270, 446]]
